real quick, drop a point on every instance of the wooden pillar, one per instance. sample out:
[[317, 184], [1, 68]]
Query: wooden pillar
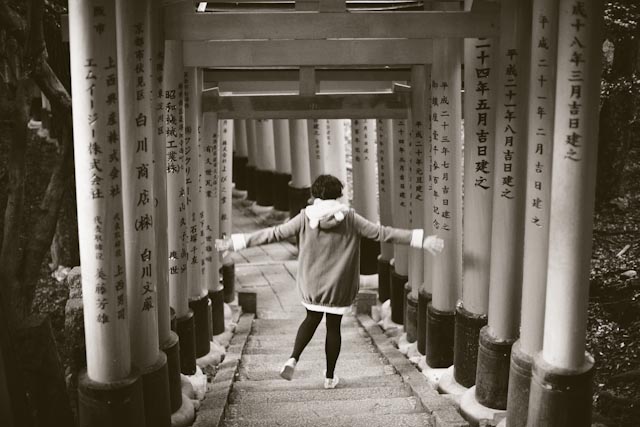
[[563, 372], [300, 185], [198, 290], [282, 174], [537, 202], [225, 132], [365, 201], [109, 378], [497, 338], [136, 149], [400, 216], [265, 162], [168, 339], [384, 144], [252, 155], [425, 293], [335, 155], [418, 120], [240, 154], [172, 84], [317, 140], [479, 129], [446, 176], [211, 189]]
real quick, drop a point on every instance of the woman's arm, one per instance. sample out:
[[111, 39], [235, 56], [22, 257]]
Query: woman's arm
[[414, 238], [240, 241]]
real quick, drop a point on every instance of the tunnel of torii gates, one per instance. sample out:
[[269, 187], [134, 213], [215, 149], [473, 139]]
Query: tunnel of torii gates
[[172, 102]]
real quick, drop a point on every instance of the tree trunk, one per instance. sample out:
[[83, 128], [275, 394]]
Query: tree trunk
[[617, 127]]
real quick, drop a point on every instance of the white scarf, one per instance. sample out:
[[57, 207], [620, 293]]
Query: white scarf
[[324, 209]]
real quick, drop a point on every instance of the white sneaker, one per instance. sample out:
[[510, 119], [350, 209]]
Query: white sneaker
[[287, 369], [331, 382]]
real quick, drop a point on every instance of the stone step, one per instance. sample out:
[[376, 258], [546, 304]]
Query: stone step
[[368, 420], [308, 356], [317, 364], [313, 410], [314, 348], [321, 331], [269, 396], [303, 372], [316, 383], [293, 324], [277, 341]]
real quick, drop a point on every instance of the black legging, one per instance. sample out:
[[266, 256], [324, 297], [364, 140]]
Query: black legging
[[332, 343]]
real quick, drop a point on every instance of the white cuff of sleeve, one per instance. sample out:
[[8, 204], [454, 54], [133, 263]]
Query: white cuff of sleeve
[[416, 238], [239, 242]]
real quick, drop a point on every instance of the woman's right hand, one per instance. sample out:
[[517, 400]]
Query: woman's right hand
[[433, 244]]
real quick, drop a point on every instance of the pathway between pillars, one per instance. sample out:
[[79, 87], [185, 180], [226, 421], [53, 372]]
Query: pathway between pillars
[[370, 392]]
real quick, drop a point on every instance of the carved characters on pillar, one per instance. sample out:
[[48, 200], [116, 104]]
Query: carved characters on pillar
[[484, 116], [104, 173], [211, 194], [403, 167], [506, 147], [417, 188], [573, 134], [442, 157], [98, 185], [191, 172], [226, 145], [141, 186], [175, 178], [382, 142]]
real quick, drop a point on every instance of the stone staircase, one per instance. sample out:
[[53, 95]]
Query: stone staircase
[[370, 392]]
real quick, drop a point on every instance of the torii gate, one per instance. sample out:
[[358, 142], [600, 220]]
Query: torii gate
[[527, 224]]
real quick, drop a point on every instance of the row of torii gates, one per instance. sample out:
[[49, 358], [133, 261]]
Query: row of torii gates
[[157, 136]]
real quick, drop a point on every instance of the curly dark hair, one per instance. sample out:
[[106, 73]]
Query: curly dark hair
[[327, 187]]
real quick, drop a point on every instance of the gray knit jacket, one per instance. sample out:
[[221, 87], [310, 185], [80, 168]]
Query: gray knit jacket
[[329, 255]]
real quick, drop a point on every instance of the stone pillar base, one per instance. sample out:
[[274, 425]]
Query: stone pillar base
[[185, 328], [157, 400], [384, 283], [465, 354], [209, 317], [397, 296], [174, 320], [264, 187], [248, 301], [475, 413], [115, 404], [492, 378], [411, 315], [251, 183], [298, 199], [519, 386], [364, 301], [200, 308], [171, 349], [280, 191], [424, 298], [240, 172], [369, 251], [229, 280], [449, 385], [440, 335], [560, 397], [217, 311]]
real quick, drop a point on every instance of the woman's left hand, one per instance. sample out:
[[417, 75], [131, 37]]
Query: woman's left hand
[[223, 246]]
